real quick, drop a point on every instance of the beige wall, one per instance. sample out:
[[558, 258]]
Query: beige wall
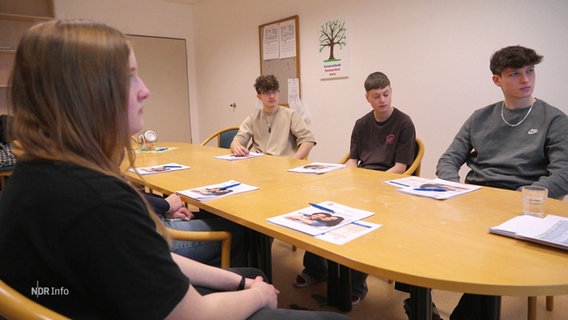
[[436, 53]]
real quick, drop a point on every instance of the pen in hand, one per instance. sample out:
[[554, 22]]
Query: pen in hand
[[240, 152]]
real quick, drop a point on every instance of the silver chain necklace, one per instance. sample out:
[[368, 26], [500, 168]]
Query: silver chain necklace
[[518, 123], [269, 124]]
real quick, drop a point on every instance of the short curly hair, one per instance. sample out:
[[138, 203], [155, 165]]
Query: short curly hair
[[513, 57], [266, 83]]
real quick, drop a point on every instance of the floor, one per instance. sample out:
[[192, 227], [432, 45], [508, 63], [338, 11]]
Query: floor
[[382, 301]]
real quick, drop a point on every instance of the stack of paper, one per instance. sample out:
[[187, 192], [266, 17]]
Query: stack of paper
[[436, 188], [551, 230], [216, 191], [317, 167], [232, 157], [328, 221], [159, 168]]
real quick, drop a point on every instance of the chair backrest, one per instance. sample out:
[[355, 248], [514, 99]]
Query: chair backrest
[[414, 168], [224, 137], [345, 158], [14, 305]]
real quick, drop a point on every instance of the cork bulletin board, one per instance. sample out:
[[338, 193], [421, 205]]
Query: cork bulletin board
[[280, 52]]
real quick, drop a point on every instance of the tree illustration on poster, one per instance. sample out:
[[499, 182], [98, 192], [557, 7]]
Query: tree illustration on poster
[[333, 48], [332, 33]]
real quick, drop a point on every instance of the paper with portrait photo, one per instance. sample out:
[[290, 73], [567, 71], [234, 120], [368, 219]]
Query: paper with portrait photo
[[167, 167], [315, 221], [317, 168], [216, 191], [232, 157], [432, 188]]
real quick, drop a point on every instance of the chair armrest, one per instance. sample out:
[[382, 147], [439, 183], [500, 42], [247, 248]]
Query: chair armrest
[[223, 236], [14, 305]]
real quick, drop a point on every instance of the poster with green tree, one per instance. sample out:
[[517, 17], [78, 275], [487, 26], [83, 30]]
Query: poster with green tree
[[333, 48]]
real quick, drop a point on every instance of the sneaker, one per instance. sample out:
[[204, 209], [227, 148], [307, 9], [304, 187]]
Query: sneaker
[[355, 299], [410, 312], [305, 280]]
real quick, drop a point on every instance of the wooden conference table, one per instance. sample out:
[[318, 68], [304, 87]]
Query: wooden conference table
[[440, 244]]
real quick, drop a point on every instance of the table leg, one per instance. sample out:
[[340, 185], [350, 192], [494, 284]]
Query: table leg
[[550, 299], [421, 303], [266, 255], [531, 308], [332, 283], [491, 307], [260, 253], [345, 288], [339, 286]]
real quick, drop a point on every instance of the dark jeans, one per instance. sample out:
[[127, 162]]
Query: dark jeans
[[470, 306], [474, 307], [316, 267], [209, 252]]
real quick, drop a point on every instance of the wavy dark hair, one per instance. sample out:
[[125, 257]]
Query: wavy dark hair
[[513, 57]]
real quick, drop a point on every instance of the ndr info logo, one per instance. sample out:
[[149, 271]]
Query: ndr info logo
[[48, 291]]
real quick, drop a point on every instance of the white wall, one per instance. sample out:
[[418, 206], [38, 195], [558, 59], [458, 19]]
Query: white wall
[[435, 52]]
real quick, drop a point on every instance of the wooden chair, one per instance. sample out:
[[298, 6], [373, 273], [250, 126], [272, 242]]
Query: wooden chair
[[224, 137], [14, 305], [345, 158], [414, 168], [5, 172], [531, 314], [531, 308], [223, 236]]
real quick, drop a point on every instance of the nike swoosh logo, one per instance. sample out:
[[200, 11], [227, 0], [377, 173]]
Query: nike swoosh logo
[[533, 131]]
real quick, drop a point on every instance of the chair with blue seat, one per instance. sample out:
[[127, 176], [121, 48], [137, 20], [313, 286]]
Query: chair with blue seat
[[224, 137]]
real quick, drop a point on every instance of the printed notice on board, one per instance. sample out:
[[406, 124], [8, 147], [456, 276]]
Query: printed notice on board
[[287, 39], [270, 40]]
